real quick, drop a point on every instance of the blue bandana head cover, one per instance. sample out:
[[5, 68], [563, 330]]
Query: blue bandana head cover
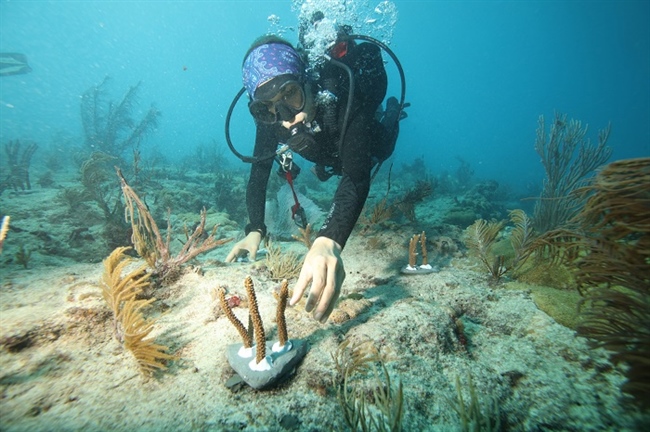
[[268, 61]]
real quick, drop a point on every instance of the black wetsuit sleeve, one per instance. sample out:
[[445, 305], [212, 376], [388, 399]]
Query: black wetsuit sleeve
[[363, 133], [354, 185], [265, 144]]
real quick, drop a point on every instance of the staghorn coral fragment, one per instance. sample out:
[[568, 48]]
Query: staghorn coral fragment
[[305, 236], [225, 306], [413, 255], [423, 247], [279, 314], [260, 336], [412, 267]]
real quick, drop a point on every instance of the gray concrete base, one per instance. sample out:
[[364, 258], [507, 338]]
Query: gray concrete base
[[281, 364]]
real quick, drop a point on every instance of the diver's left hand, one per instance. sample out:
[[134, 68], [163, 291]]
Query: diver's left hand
[[323, 267]]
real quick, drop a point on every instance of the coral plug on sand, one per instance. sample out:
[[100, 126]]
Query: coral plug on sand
[[412, 267], [251, 361]]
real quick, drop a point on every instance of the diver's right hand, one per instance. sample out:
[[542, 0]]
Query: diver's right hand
[[250, 244]]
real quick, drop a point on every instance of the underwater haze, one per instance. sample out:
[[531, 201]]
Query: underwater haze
[[479, 73], [457, 308]]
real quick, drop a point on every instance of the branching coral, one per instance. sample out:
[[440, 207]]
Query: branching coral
[[260, 335], [109, 127], [149, 242], [306, 236], [279, 313], [412, 267], [245, 335], [413, 253], [18, 177], [565, 169]]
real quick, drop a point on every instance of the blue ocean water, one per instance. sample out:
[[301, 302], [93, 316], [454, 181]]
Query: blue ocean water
[[479, 73]]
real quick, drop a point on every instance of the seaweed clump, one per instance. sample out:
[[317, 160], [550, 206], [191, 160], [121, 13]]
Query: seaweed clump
[[475, 414], [367, 404]]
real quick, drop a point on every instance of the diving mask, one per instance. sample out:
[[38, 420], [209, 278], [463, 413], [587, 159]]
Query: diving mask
[[284, 105]]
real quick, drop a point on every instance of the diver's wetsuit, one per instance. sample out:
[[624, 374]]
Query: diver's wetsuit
[[366, 141]]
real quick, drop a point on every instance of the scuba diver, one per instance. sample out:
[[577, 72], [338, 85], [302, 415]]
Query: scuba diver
[[334, 120]]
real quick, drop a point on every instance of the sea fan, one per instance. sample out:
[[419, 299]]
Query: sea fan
[[480, 238], [613, 271], [136, 331], [522, 236], [131, 328]]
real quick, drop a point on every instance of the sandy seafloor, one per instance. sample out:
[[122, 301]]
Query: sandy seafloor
[[67, 373]]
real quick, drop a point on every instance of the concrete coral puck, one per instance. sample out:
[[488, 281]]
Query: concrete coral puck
[[281, 364]]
